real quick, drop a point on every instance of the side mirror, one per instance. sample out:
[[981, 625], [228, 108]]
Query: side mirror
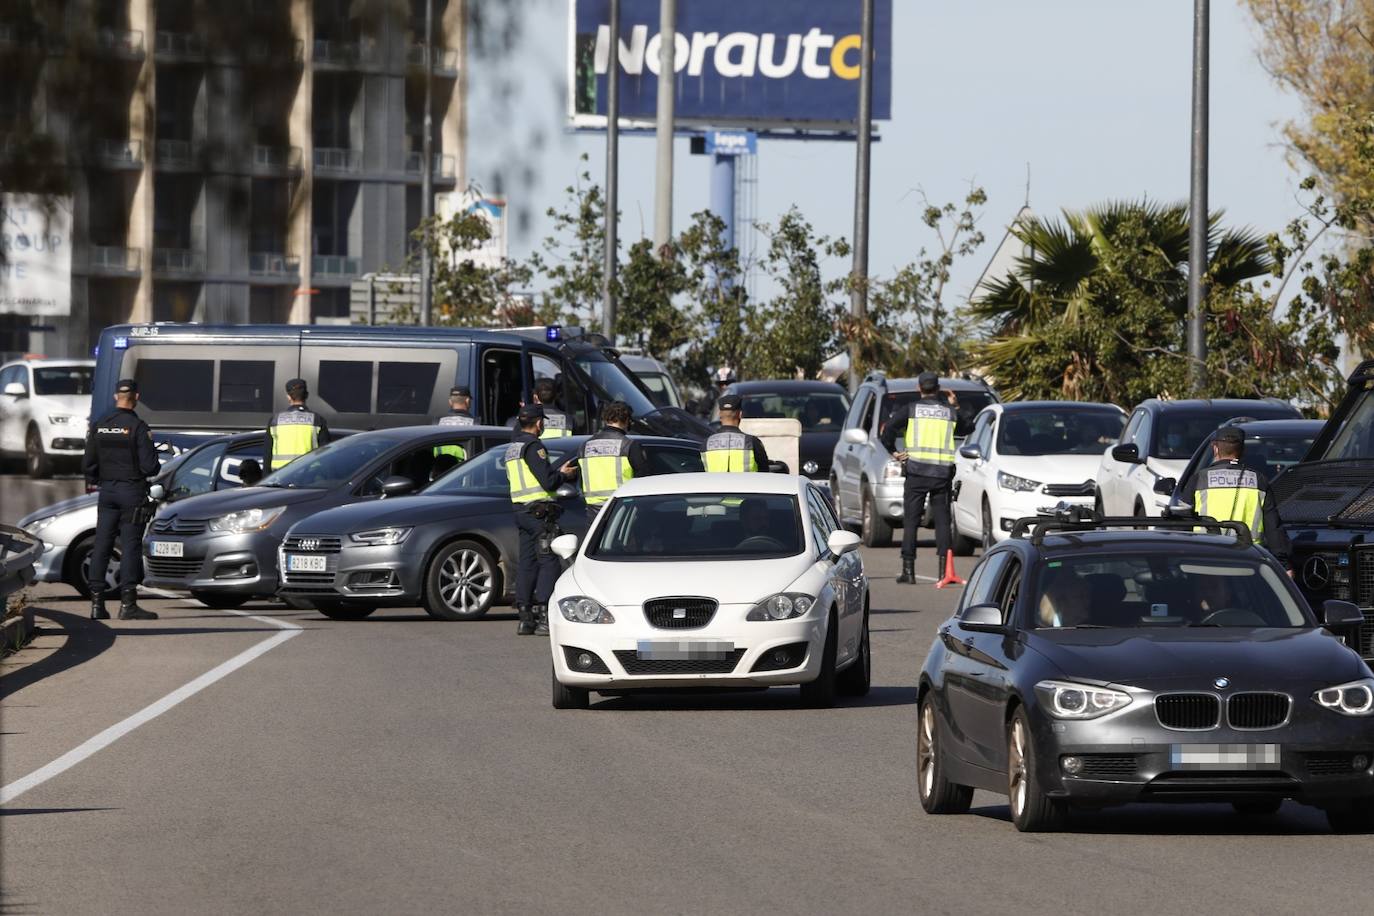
[[971, 452], [1339, 614], [16, 390], [1165, 486], [778, 467], [855, 436], [1126, 454], [397, 486], [841, 542], [565, 491], [157, 491], [565, 545], [983, 618]]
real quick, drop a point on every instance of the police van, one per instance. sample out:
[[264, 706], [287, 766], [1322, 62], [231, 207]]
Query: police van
[[195, 377]]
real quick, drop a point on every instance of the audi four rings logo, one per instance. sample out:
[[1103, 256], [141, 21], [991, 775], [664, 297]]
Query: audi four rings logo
[[1316, 573], [1221, 683], [310, 543]]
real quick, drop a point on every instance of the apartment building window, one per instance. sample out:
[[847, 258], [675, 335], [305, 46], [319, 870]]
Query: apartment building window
[[176, 201], [270, 205], [332, 216]]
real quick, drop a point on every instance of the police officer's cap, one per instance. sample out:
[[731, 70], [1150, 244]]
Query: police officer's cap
[[460, 391], [928, 381], [126, 386], [296, 387], [1231, 434], [530, 412], [731, 402]]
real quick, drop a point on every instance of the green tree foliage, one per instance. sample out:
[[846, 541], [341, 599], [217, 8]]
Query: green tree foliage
[[467, 293], [572, 258]]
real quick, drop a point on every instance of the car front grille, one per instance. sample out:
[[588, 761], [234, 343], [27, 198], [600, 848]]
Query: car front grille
[[1258, 710], [1069, 489], [308, 543], [308, 578], [173, 567], [1188, 711], [679, 613], [1108, 766], [177, 525], [634, 665]]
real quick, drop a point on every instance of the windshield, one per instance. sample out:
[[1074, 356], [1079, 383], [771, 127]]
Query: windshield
[[970, 403], [1162, 591], [1355, 438], [661, 390], [699, 526], [1059, 431], [63, 379], [818, 411], [330, 465], [613, 382], [1179, 434], [485, 475]]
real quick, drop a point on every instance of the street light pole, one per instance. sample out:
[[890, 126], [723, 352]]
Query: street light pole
[[427, 175], [667, 100], [612, 177], [858, 294], [1197, 206]]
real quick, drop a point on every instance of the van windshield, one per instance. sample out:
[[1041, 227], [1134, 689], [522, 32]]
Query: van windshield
[[611, 381]]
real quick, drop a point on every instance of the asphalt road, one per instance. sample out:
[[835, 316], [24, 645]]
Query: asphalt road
[[402, 765]]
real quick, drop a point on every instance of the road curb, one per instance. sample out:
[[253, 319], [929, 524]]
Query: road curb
[[17, 631]]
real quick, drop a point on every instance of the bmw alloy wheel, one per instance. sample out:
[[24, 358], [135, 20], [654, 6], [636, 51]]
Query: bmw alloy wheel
[[465, 581], [925, 750], [1017, 768]]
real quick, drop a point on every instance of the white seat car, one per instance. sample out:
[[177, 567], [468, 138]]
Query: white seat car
[[1026, 457], [45, 407], [711, 580]]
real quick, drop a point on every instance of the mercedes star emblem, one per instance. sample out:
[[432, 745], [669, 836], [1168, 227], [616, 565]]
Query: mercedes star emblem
[[1316, 573]]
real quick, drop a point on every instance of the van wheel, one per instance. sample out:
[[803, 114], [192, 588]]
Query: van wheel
[[876, 532], [36, 461], [461, 582]]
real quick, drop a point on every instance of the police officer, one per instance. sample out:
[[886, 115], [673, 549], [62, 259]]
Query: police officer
[[296, 431], [556, 425], [119, 460], [609, 458], [533, 481], [459, 401], [730, 448], [723, 378], [927, 456], [1228, 491]]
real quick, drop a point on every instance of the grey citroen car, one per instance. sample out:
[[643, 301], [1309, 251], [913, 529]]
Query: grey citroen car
[[451, 549], [221, 547]]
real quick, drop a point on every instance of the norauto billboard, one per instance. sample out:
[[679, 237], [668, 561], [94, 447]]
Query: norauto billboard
[[757, 63]]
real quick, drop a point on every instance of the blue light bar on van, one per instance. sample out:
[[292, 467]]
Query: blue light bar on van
[[553, 333], [121, 343]]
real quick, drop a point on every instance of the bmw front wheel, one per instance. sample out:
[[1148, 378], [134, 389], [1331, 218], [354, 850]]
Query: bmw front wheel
[[1032, 811]]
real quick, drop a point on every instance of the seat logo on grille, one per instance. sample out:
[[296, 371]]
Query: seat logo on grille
[[1316, 573], [310, 543], [1221, 683], [679, 613]]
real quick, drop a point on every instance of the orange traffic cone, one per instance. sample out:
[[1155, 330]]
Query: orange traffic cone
[[950, 577]]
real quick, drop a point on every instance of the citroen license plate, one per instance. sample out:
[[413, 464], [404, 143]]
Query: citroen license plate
[[168, 548], [681, 649], [1224, 756], [299, 562]]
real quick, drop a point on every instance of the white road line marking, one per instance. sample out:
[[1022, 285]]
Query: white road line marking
[[148, 713]]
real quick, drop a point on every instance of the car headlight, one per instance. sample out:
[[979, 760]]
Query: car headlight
[[782, 606], [1353, 699], [39, 524], [1016, 484], [246, 520], [580, 609], [380, 537], [1067, 700], [60, 419], [892, 470]]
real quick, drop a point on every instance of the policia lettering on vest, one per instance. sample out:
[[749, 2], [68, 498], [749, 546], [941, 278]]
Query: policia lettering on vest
[[459, 402], [294, 432], [533, 481], [730, 448], [608, 459], [1229, 491], [927, 456]]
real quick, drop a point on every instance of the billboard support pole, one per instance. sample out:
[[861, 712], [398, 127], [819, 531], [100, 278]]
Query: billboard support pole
[[427, 174], [663, 182], [858, 293], [1197, 207], [612, 214], [723, 195]]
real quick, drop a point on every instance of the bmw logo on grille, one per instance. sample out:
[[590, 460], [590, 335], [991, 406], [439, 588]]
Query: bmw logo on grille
[[1221, 683], [1316, 573]]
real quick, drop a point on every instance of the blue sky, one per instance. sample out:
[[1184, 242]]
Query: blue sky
[[1092, 95]]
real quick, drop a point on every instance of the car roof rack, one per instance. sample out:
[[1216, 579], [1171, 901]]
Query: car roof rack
[[1081, 518]]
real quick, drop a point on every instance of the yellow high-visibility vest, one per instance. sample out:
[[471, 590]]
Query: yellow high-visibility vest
[[524, 486], [453, 419], [1231, 494], [729, 451], [294, 434], [555, 425], [605, 465], [930, 437]]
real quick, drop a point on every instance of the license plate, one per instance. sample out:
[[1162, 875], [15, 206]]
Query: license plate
[[167, 548], [1224, 756], [296, 562], [659, 650]]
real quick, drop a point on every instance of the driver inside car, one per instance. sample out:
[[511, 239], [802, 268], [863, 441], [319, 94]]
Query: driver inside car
[[1066, 602], [753, 515]]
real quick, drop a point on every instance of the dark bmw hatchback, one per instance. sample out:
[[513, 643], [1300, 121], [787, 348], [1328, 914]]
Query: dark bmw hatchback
[[1093, 664]]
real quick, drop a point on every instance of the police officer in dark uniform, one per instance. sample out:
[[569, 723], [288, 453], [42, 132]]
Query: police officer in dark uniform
[[119, 460], [608, 459], [533, 481], [927, 456], [1230, 491], [730, 448], [459, 400], [294, 432]]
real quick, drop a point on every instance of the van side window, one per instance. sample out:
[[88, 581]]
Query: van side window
[[405, 387], [502, 386], [246, 385], [346, 385], [176, 384]]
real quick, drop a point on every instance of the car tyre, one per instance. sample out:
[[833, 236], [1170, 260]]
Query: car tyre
[[937, 794], [1356, 817], [857, 679], [988, 541], [1258, 807], [876, 532], [820, 693], [460, 583], [342, 610], [1032, 811], [79, 565], [565, 697], [220, 601], [964, 546], [36, 461]]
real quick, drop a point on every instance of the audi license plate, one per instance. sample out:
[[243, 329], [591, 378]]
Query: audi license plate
[[297, 562], [167, 548], [678, 650], [1224, 756]]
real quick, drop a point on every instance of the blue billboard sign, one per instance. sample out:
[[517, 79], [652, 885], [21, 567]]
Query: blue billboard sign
[[731, 143], [757, 63]]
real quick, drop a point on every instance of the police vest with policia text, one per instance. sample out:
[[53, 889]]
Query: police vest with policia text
[[929, 439], [1231, 494]]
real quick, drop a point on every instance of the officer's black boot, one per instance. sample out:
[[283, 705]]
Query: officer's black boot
[[940, 568], [908, 576], [129, 609], [98, 611], [541, 620], [526, 627]]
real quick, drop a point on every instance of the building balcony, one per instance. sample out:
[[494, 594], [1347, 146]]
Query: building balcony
[[276, 160], [179, 46], [338, 159], [445, 59], [176, 153], [334, 265], [269, 52], [107, 259], [178, 261], [126, 43], [119, 154], [442, 167], [344, 54], [274, 266]]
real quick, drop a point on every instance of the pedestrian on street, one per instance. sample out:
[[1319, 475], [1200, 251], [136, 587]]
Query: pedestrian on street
[[927, 457], [459, 403], [296, 431], [533, 481], [609, 458], [1229, 491], [118, 461], [730, 448]]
